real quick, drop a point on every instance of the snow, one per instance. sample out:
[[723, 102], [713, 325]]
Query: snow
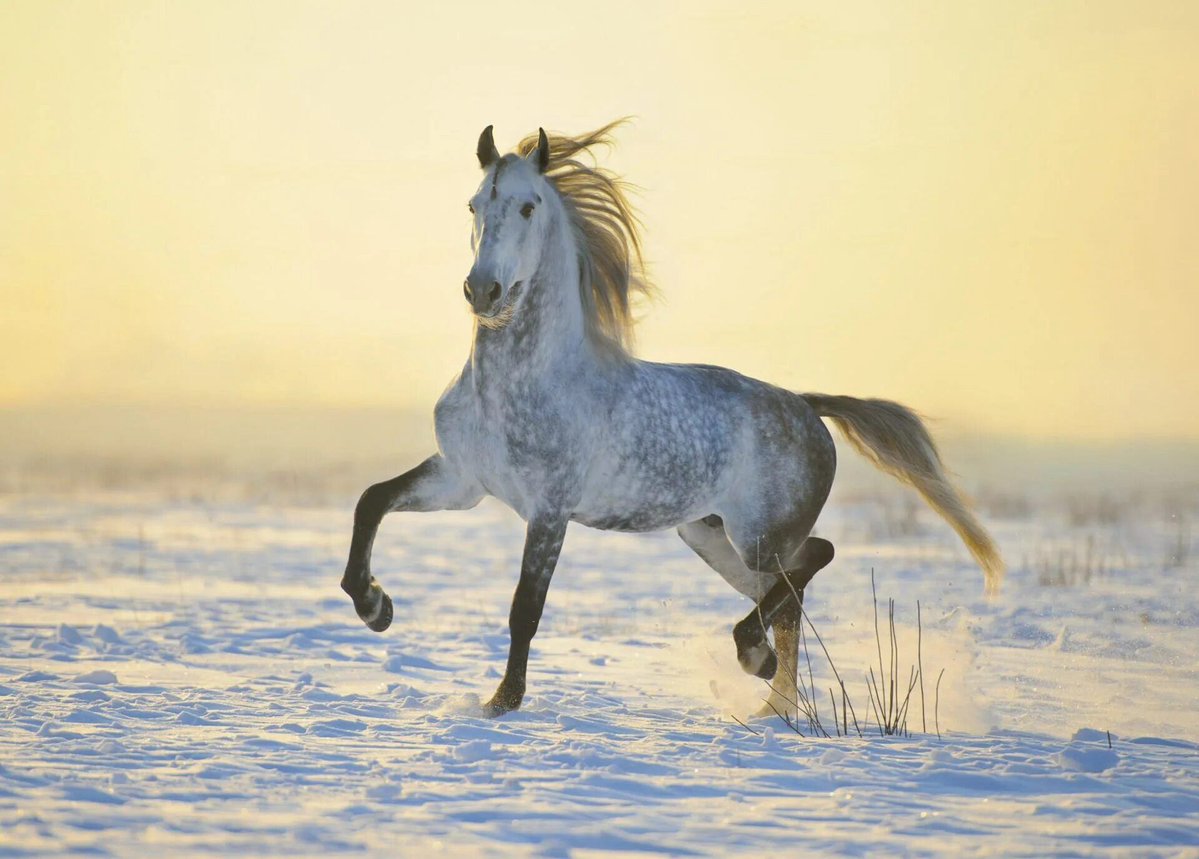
[[183, 677]]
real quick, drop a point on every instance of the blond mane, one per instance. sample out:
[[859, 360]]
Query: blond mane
[[607, 233]]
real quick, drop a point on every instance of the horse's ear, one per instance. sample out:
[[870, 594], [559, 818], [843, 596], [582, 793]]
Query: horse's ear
[[543, 151], [486, 150]]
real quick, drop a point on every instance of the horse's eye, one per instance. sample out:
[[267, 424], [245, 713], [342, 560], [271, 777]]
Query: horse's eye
[[470, 207], [526, 211]]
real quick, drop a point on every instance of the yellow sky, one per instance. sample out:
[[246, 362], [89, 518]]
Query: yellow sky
[[987, 212]]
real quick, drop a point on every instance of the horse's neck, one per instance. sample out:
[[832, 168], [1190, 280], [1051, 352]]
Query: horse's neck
[[547, 336]]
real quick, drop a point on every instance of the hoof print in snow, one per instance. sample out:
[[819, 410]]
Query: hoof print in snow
[[99, 677], [1078, 757]]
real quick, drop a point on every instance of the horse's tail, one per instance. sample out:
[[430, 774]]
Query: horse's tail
[[895, 439]]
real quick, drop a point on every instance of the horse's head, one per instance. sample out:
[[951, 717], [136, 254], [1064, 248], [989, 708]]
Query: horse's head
[[510, 212]]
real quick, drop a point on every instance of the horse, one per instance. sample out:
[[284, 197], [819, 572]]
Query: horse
[[553, 415]]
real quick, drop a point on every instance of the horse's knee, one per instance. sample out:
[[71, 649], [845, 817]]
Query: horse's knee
[[373, 504]]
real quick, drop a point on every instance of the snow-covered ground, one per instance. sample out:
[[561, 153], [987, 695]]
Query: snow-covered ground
[[180, 676]]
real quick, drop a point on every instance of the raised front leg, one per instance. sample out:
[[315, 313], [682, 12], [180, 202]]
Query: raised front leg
[[543, 544], [432, 485]]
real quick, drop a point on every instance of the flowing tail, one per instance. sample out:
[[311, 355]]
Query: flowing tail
[[895, 439]]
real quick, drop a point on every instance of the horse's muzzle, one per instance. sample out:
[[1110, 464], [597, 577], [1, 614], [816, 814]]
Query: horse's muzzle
[[484, 296], [488, 298]]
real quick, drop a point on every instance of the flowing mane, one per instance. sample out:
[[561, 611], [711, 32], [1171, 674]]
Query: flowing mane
[[607, 232]]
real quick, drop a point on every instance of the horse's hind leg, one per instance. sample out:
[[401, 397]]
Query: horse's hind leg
[[708, 539], [784, 686], [753, 651]]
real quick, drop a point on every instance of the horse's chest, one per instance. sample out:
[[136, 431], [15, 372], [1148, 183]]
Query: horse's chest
[[517, 448]]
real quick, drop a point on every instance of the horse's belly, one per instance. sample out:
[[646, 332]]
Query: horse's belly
[[642, 506], [648, 480], [637, 521]]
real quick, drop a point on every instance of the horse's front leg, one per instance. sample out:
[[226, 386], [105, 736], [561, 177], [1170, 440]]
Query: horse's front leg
[[543, 544], [432, 485]]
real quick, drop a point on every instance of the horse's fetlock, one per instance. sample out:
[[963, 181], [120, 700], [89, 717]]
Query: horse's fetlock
[[507, 697]]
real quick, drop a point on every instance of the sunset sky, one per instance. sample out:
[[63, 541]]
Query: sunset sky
[[989, 211]]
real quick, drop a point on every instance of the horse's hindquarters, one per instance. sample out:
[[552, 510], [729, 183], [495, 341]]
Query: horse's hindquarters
[[783, 479]]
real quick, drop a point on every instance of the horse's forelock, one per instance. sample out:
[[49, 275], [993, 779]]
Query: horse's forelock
[[499, 168]]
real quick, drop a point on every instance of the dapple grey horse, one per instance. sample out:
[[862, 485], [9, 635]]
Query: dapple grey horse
[[553, 416]]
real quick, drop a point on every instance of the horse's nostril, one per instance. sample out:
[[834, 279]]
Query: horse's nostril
[[466, 289], [493, 294]]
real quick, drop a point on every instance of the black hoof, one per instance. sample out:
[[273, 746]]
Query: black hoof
[[505, 700], [374, 607], [753, 650], [383, 620], [494, 709], [769, 665]]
